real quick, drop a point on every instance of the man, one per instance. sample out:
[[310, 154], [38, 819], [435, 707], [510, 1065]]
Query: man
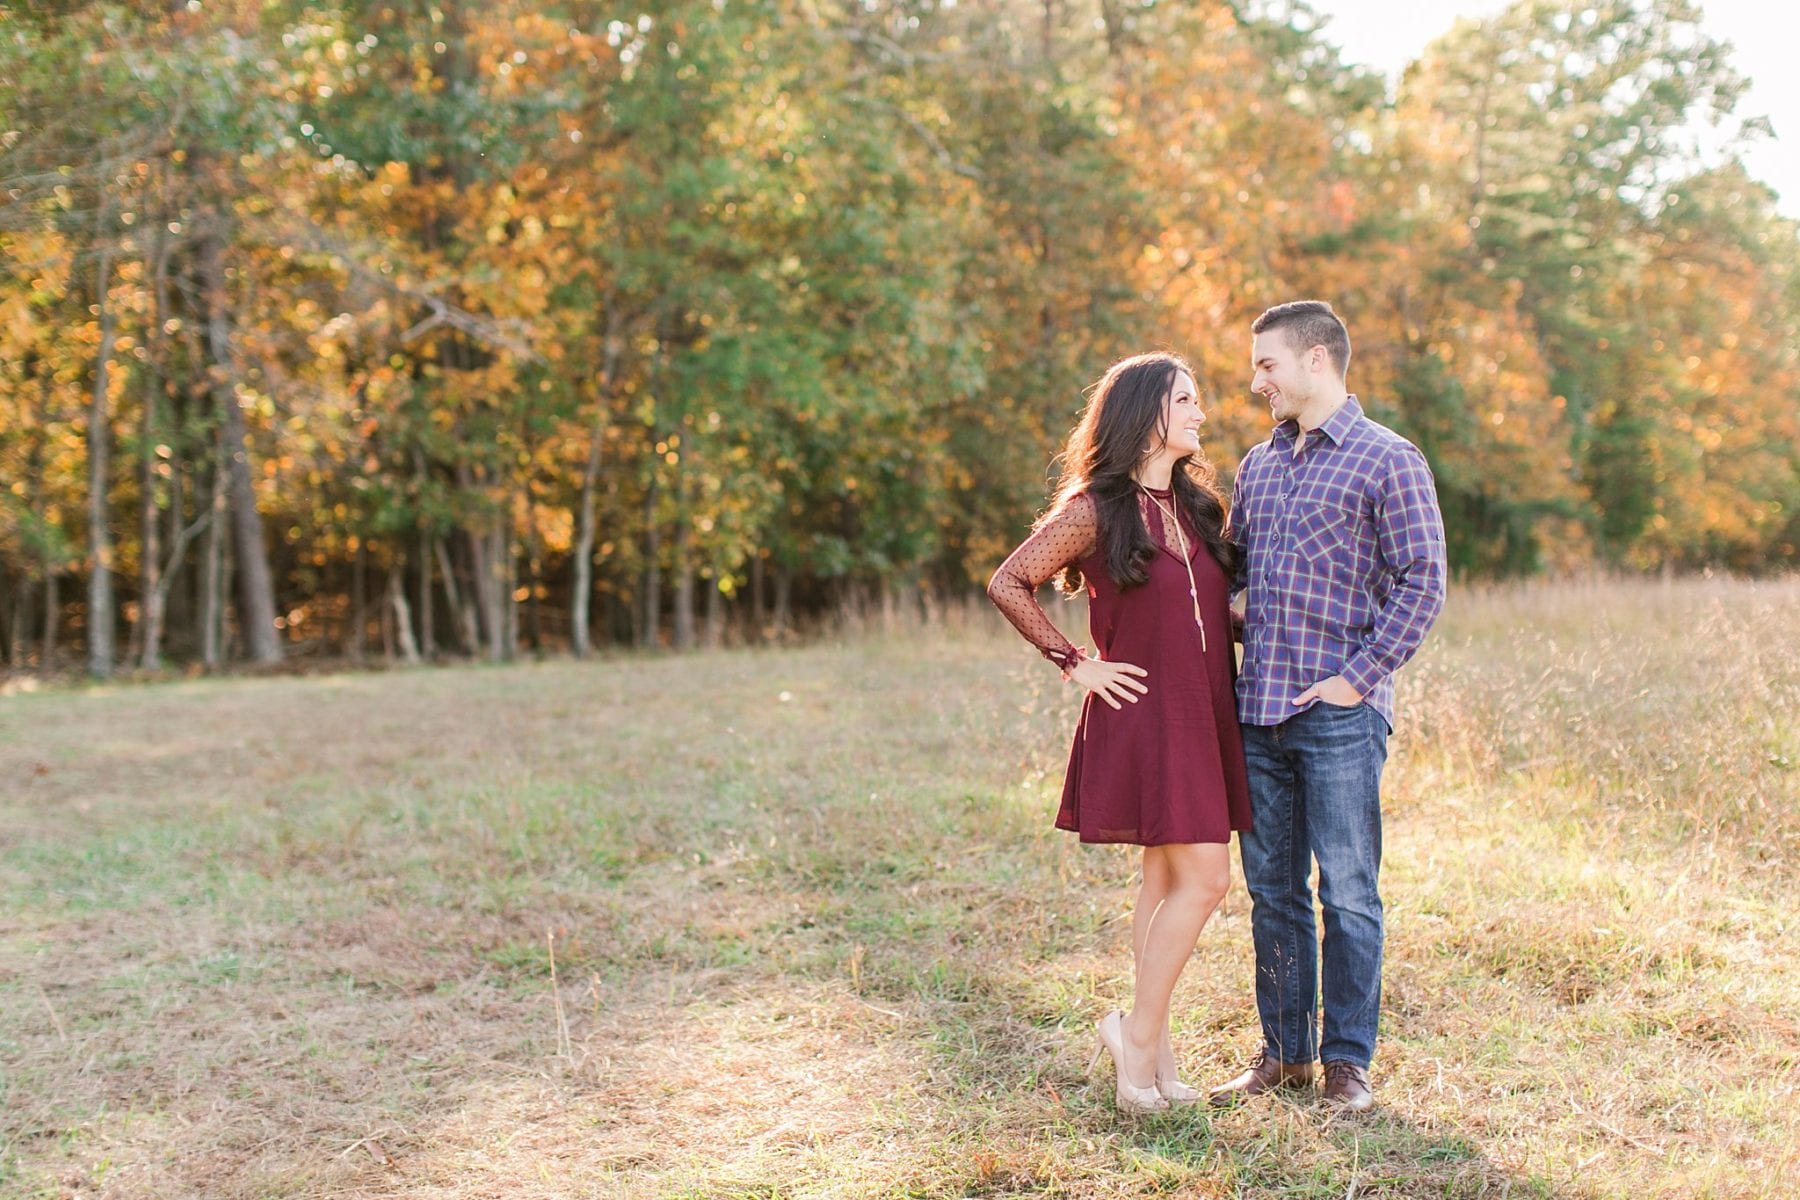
[[1344, 565]]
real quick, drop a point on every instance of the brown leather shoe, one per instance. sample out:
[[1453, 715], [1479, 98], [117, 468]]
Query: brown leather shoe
[[1265, 1073], [1347, 1086]]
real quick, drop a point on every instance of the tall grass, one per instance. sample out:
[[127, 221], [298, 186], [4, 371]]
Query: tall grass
[[813, 935]]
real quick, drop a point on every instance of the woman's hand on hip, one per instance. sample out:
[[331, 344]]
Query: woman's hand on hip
[[1111, 681]]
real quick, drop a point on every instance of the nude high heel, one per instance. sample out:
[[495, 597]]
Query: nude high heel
[[1177, 1092], [1127, 1096]]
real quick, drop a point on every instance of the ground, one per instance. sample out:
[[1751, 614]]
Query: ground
[[794, 923]]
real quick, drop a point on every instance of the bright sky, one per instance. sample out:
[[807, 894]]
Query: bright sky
[[1388, 34]]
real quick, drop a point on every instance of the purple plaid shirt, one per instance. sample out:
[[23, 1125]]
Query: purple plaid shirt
[[1343, 559]]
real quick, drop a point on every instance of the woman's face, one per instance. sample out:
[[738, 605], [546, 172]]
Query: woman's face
[[1179, 429]]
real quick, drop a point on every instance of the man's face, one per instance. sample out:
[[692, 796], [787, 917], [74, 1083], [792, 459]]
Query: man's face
[[1280, 374]]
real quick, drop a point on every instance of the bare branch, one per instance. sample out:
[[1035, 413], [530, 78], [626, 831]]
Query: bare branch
[[929, 138], [489, 331], [176, 552]]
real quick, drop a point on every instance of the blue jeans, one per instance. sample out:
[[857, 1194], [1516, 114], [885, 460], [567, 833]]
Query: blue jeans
[[1315, 792]]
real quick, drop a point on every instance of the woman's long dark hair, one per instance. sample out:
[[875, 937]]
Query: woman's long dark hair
[[1124, 415]]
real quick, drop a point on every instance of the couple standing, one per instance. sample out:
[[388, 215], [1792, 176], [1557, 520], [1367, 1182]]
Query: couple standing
[[1334, 533]]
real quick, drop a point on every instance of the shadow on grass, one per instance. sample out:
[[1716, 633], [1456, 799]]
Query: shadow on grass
[[1303, 1149], [1028, 1118]]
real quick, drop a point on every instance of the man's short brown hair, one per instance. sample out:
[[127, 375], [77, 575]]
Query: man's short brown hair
[[1309, 323]]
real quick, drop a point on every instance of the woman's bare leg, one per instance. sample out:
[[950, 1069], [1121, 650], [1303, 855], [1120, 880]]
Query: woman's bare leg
[[1153, 889], [1192, 879]]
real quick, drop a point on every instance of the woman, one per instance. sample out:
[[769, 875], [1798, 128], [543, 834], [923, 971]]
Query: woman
[[1157, 762]]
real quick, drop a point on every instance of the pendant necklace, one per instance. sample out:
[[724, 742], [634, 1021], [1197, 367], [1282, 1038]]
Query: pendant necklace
[[1181, 540]]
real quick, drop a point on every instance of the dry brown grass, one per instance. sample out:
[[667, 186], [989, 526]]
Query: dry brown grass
[[814, 937]]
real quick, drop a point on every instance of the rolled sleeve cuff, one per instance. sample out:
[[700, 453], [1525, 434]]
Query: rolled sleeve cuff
[[1362, 673]]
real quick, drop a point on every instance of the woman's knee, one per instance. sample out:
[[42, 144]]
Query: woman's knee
[[1214, 885], [1201, 872]]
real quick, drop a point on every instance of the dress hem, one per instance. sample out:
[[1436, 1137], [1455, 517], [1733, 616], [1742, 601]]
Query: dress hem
[[1098, 841]]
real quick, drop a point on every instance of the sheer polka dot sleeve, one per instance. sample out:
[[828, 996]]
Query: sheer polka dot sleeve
[[1069, 536]]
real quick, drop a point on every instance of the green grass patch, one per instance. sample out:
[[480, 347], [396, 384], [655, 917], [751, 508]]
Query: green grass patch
[[813, 935]]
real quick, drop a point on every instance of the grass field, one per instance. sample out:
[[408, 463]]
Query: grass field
[[794, 924]]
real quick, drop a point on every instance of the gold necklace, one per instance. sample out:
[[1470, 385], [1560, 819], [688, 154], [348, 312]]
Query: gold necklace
[[1181, 540]]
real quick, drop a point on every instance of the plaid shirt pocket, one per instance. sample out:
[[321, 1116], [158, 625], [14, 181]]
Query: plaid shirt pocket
[[1319, 536]]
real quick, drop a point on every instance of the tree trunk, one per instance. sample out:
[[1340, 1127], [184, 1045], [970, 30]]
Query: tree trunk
[[473, 597], [581, 594], [909, 599], [499, 599], [256, 590], [475, 549], [152, 594], [157, 600], [100, 614], [462, 614], [758, 610], [684, 584], [482, 567], [534, 562], [148, 636], [212, 581], [359, 601], [8, 620], [385, 613], [52, 619], [784, 591], [396, 599], [427, 641], [509, 584], [650, 631], [231, 644], [715, 612], [47, 567], [582, 597], [890, 611], [492, 570], [427, 539], [18, 635], [178, 607]]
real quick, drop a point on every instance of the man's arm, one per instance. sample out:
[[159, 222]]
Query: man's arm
[[1410, 539], [1237, 523], [1234, 532]]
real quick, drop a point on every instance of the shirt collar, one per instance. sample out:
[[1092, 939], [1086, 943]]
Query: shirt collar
[[1336, 427]]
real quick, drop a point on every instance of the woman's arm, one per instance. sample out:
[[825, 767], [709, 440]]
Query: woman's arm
[[1070, 535]]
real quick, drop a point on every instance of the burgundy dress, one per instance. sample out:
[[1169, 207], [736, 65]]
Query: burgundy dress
[[1170, 768]]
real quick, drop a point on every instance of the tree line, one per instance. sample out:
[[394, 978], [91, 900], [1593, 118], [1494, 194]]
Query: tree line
[[423, 328]]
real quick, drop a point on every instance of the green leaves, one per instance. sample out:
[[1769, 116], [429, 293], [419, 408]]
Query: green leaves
[[817, 287]]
